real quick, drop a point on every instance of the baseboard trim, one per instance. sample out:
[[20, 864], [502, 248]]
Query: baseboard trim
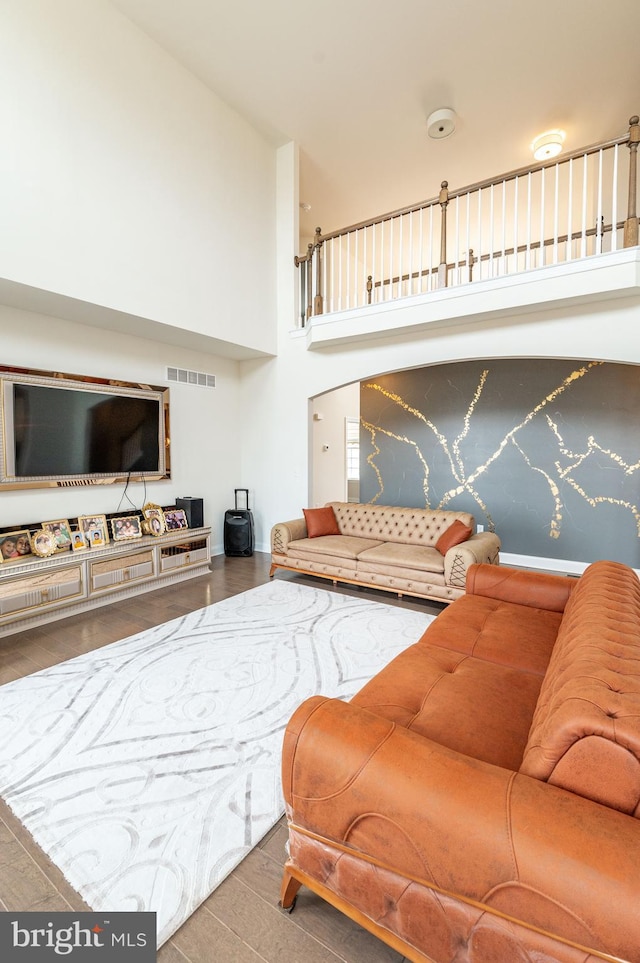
[[562, 566]]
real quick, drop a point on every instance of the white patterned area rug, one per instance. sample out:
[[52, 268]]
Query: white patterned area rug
[[149, 768]]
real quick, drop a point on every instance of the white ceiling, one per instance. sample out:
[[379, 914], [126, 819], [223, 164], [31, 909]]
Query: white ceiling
[[353, 81]]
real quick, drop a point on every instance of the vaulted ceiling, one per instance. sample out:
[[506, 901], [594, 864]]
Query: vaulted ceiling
[[353, 82]]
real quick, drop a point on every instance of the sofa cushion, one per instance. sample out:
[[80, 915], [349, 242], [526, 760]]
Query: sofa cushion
[[321, 521], [472, 706], [585, 735], [417, 558], [456, 533], [340, 546], [513, 635]]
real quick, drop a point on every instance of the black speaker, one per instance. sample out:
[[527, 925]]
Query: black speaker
[[193, 509], [238, 528]]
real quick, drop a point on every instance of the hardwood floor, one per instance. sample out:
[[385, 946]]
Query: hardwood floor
[[241, 921]]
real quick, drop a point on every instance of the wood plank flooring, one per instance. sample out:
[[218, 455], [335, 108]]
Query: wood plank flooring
[[241, 921]]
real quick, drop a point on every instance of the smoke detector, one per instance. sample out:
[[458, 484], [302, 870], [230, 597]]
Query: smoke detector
[[441, 123]]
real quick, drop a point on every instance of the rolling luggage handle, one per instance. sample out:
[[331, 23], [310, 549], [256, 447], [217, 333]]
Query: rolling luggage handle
[[246, 497]]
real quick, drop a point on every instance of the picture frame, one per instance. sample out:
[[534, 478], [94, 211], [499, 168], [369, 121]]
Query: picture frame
[[154, 523], [126, 528], [61, 532], [43, 543], [89, 525], [15, 545], [77, 540], [175, 519]]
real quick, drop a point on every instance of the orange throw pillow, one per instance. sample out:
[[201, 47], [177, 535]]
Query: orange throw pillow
[[321, 521], [456, 533]]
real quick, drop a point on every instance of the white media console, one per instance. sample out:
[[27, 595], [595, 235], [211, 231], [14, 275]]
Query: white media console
[[36, 590]]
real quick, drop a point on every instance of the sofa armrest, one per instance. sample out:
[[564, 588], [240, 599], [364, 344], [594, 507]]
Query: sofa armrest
[[284, 532], [439, 818], [483, 547], [537, 589]]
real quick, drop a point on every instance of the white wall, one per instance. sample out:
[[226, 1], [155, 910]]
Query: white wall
[[328, 451], [125, 182], [205, 444]]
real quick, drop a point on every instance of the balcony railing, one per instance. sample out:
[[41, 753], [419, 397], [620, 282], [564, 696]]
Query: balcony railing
[[578, 206]]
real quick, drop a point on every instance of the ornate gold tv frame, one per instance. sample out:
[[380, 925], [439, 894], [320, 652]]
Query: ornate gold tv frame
[[11, 375]]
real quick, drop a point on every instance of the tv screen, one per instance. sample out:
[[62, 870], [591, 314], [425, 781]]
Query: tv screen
[[67, 431]]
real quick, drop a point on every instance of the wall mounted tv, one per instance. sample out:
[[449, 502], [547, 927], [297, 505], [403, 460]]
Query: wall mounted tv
[[59, 430]]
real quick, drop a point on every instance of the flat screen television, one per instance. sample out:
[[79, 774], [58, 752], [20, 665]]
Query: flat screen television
[[68, 430]]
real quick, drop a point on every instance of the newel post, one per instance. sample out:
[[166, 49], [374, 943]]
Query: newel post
[[317, 247], [443, 200], [631, 223]]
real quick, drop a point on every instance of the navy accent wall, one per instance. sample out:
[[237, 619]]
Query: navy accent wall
[[544, 452]]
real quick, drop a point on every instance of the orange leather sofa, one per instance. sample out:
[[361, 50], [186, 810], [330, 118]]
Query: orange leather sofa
[[479, 799]]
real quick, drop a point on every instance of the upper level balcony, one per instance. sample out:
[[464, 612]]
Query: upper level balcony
[[562, 231]]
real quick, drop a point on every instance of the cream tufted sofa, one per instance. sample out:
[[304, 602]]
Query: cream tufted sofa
[[385, 548]]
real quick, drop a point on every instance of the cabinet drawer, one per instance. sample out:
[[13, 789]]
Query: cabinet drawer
[[114, 572], [37, 591], [180, 556]]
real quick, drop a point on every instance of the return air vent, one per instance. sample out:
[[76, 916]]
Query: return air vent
[[198, 378]]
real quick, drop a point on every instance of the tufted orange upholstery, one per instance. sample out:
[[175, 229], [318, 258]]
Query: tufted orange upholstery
[[587, 722], [386, 548], [476, 801]]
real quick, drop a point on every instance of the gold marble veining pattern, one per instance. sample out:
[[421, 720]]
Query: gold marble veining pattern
[[373, 429], [465, 478]]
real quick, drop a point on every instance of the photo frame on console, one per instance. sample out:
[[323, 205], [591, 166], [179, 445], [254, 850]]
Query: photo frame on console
[[77, 540], [92, 526], [175, 519], [14, 545], [125, 528], [43, 543], [153, 523], [61, 533]]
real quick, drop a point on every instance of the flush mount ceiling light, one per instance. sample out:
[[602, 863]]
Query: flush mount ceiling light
[[441, 123], [548, 145]]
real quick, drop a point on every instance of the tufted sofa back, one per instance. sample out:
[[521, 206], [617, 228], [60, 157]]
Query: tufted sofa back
[[585, 732], [411, 526]]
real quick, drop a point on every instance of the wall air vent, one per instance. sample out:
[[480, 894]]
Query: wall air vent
[[200, 379]]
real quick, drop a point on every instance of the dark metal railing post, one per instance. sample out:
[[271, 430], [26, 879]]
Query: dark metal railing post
[[309, 266], [317, 250], [369, 287], [443, 200], [631, 223]]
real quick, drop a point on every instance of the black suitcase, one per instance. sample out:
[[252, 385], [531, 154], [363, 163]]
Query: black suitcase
[[238, 528]]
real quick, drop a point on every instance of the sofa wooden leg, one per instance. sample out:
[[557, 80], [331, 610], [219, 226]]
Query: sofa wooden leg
[[288, 891]]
